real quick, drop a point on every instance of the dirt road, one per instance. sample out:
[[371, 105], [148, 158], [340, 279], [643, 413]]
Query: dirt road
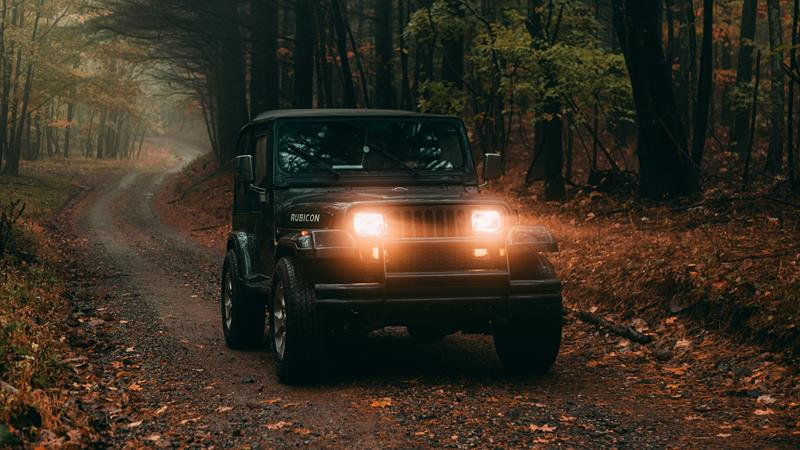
[[180, 385]]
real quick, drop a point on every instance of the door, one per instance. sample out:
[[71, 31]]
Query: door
[[241, 192], [263, 212]]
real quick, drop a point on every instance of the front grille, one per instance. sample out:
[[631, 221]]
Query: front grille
[[412, 258], [428, 222]]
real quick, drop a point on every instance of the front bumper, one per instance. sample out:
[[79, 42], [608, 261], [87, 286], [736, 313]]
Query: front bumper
[[477, 299], [353, 278]]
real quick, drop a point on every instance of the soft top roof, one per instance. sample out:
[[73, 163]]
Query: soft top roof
[[339, 112]]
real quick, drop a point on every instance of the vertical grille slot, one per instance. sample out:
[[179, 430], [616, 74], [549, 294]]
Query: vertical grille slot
[[428, 222]]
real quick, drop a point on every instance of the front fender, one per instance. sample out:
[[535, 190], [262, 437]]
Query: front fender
[[331, 255], [244, 246], [525, 246]]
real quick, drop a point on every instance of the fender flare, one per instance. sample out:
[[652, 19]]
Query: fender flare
[[525, 246], [241, 243]]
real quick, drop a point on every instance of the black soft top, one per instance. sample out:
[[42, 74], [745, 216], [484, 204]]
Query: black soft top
[[339, 112]]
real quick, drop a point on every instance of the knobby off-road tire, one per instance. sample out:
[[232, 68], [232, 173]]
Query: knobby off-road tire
[[242, 314], [295, 333], [529, 345]]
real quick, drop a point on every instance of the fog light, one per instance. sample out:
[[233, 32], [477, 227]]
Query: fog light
[[480, 252]]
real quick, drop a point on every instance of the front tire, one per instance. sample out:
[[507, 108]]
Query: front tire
[[530, 345], [242, 315], [294, 327]]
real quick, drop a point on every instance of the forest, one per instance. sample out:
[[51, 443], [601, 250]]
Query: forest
[[648, 148], [664, 98]]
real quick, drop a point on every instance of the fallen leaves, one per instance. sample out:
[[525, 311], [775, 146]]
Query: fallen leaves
[[680, 370], [765, 400], [135, 388], [224, 409], [381, 403], [764, 412], [278, 425], [542, 428]]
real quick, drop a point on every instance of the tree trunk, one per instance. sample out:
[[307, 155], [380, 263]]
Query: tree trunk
[[321, 66], [790, 141], [264, 76], [5, 71], [37, 123], [304, 38], [777, 92], [8, 109], [548, 152], [101, 133], [341, 46], [384, 54], [665, 168], [453, 50], [16, 147], [287, 81], [68, 131], [688, 59], [231, 113], [744, 74], [704, 90], [405, 83]]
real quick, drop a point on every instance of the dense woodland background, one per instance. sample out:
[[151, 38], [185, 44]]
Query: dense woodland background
[[668, 96]]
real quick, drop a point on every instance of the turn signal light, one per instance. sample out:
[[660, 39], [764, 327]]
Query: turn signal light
[[480, 252]]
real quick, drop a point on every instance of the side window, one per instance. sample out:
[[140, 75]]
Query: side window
[[260, 160]]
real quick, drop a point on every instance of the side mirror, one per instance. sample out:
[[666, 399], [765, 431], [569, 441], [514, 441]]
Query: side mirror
[[244, 169], [492, 166]]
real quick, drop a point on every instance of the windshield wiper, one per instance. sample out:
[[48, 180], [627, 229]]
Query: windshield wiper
[[394, 158], [309, 157]]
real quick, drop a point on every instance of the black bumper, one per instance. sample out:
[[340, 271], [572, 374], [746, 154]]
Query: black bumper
[[453, 297], [350, 281]]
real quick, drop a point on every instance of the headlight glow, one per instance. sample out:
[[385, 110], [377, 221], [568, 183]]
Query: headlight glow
[[487, 221], [369, 224]]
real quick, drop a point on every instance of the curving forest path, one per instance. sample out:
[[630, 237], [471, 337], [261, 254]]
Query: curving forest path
[[174, 383]]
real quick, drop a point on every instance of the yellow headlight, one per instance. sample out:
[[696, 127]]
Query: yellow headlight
[[487, 221], [369, 224]]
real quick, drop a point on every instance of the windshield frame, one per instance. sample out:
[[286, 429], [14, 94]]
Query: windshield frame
[[465, 175]]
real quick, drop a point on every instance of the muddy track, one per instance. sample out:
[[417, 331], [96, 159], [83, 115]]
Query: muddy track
[[187, 389]]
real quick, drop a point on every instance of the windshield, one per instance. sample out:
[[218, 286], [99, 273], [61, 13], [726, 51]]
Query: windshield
[[412, 146]]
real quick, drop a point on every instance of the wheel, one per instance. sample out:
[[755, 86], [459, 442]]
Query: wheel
[[426, 333], [530, 344], [294, 328], [242, 315], [529, 348]]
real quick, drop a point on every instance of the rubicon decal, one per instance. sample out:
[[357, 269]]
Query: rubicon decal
[[304, 217]]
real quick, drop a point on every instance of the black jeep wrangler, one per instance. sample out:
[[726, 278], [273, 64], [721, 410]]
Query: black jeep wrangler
[[362, 219]]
